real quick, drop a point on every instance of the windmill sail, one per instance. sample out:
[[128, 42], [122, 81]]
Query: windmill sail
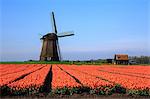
[[54, 28], [64, 34]]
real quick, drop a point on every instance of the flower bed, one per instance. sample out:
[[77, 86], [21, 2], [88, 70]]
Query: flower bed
[[59, 79]]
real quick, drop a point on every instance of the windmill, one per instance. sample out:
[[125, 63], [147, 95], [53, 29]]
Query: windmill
[[50, 48]]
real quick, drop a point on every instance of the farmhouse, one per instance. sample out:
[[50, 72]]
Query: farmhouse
[[121, 59]]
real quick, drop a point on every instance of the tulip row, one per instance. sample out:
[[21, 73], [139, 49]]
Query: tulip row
[[61, 79], [135, 70], [35, 79], [6, 79], [139, 71], [129, 82], [84, 79], [15, 68], [8, 67]]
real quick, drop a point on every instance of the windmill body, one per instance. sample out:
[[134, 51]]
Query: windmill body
[[50, 48]]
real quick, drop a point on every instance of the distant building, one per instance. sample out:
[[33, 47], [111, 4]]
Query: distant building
[[110, 61], [121, 59]]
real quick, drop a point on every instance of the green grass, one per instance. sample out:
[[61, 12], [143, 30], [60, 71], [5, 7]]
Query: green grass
[[34, 62], [52, 62], [65, 62]]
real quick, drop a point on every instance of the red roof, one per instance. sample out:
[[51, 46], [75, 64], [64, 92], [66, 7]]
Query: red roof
[[121, 57]]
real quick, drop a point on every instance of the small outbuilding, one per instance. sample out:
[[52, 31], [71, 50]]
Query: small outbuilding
[[110, 61], [121, 59]]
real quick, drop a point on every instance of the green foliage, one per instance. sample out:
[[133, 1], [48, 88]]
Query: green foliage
[[93, 91], [62, 91], [118, 89], [55, 62], [36, 62], [5, 90], [141, 59], [145, 92], [74, 91], [103, 90]]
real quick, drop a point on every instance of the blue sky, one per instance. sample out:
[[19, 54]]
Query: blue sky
[[102, 28]]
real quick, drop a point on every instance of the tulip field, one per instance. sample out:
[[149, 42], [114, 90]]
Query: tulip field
[[33, 79]]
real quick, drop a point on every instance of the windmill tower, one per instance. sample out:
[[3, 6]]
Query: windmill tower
[[50, 48]]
